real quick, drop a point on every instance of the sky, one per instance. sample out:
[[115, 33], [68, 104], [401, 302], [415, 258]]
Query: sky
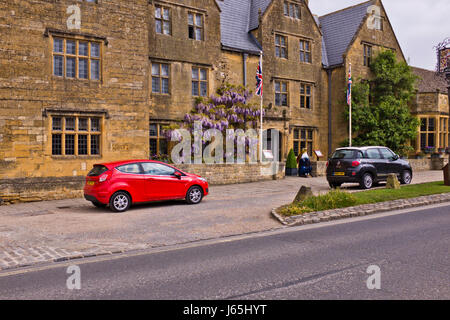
[[418, 24]]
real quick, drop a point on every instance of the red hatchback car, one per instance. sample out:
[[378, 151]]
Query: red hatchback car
[[120, 184]]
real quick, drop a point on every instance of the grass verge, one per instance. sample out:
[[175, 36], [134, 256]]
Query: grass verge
[[337, 199]]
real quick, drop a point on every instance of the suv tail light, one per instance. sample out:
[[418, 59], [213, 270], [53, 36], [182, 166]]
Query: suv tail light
[[328, 162], [355, 164]]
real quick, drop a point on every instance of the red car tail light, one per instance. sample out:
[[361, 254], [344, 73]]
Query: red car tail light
[[103, 178], [328, 163], [355, 164]]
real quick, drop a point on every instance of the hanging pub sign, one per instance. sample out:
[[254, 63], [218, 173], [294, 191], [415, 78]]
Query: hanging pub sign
[[443, 50]]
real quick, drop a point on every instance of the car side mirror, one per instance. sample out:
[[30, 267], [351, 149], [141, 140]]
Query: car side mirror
[[396, 157], [177, 174]]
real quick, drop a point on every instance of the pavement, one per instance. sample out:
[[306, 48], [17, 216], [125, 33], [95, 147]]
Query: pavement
[[32, 233], [407, 251]]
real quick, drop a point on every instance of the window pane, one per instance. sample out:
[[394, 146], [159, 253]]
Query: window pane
[[165, 85], [431, 124], [83, 69], [165, 70], [70, 124], [284, 99], [307, 45], [191, 32], [302, 89], [153, 130], [158, 12], [308, 90], [277, 40], [153, 147], [283, 53], [163, 146], [202, 74], [195, 74], [56, 144], [56, 124], [58, 45], [308, 57], [95, 69], [277, 86], [70, 47], [83, 124], [95, 125], [296, 134], [423, 140], [302, 46], [277, 99], [310, 134], [283, 41], [82, 144], [285, 9], [95, 50], [302, 101], [277, 52], [423, 124], [83, 49], [308, 102], [70, 144], [431, 140], [198, 34], [297, 12], [58, 66], [70, 67], [158, 26], [283, 87], [155, 69], [191, 18], [203, 89], [166, 14], [155, 84], [291, 10], [95, 144], [302, 56], [296, 148], [198, 20], [303, 134], [166, 27], [194, 88]]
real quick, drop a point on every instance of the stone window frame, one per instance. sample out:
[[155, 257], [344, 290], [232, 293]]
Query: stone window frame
[[305, 48], [279, 46], [162, 19], [444, 133], [281, 93], [77, 56], [368, 54], [305, 96], [157, 138], [301, 141], [427, 132], [161, 77], [63, 133], [195, 26], [295, 14], [199, 81]]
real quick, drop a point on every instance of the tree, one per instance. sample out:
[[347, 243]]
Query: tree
[[380, 112]]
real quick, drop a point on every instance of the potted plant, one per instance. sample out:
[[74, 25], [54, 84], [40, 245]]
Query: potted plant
[[428, 150], [291, 164]]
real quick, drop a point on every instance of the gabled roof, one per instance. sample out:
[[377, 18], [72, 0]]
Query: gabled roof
[[339, 29], [235, 17], [255, 6], [429, 81]]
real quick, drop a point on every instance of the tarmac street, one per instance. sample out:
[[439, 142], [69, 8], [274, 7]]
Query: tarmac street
[[401, 255]]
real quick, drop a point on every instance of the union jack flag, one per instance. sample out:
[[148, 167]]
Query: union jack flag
[[259, 80], [349, 88]]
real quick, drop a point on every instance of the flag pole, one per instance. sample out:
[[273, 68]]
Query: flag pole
[[261, 116], [350, 108]]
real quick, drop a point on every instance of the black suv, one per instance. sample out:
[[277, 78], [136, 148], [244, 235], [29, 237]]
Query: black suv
[[366, 166]]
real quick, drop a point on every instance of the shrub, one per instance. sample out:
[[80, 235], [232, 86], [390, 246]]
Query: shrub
[[291, 162]]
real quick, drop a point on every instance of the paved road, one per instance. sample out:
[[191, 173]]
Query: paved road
[[316, 262]]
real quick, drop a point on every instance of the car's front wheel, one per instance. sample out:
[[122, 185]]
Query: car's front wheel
[[194, 195], [120, 201], [366, 181], [406, 177]]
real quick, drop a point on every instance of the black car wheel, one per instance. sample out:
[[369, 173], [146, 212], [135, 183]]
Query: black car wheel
[[194, 195], [120, 202], [406, 177], [366, 181]]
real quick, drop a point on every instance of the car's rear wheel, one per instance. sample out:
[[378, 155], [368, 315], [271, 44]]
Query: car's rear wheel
[[406, 177], [194, 195], [98, 204], [120, 201], [334, 185], [366, 181]]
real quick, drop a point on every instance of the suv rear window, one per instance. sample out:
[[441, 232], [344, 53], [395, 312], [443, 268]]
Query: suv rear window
[[346, 154], [97, 170]]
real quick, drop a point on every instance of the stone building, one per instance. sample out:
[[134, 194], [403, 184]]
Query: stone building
[[91, 81], [431, 106]]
